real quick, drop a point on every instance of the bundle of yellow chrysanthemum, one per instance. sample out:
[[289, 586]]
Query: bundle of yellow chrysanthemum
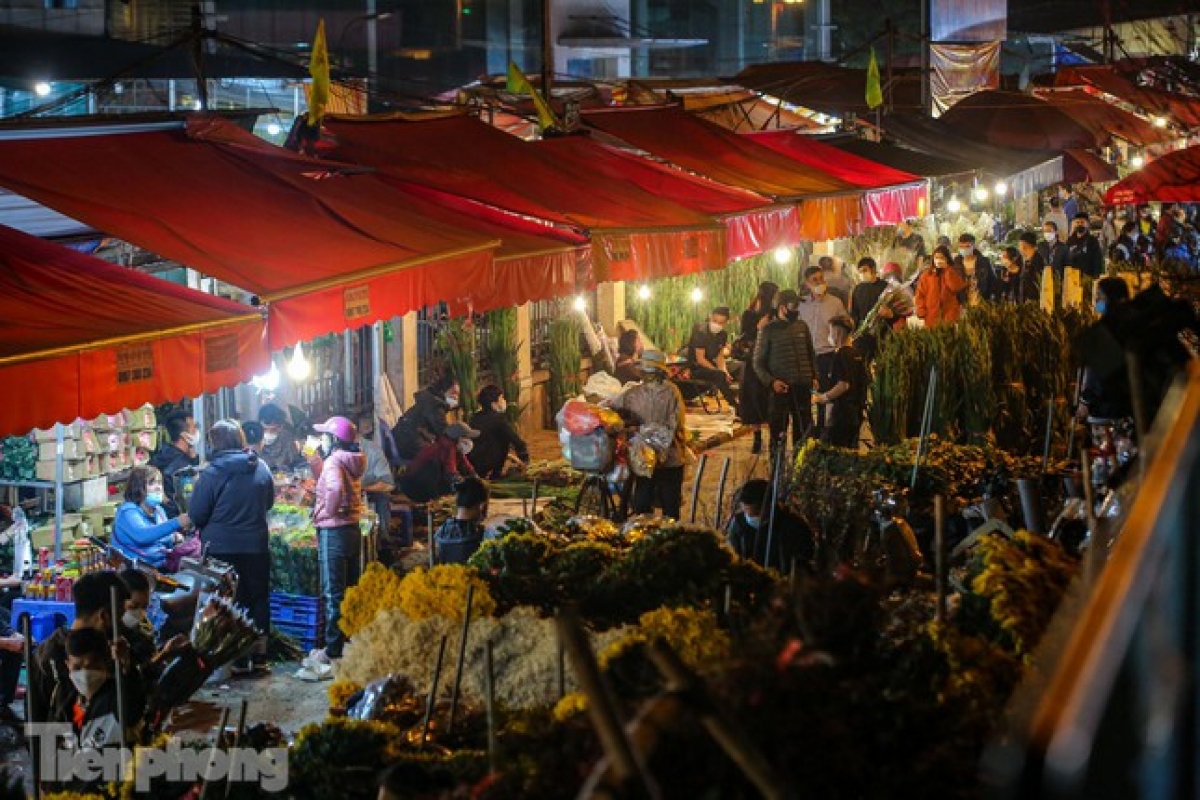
[[341, 691], [692, 633], [377, 590], [442, 592]]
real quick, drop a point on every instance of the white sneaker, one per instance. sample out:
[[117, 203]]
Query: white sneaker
[[315, 673], [315, 658]]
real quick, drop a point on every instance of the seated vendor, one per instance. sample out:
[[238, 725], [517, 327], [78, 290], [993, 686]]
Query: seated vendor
[[629, 350], [497, 435], [438, 466], [706, 354], [141, 530], [95, 719], [278, 449], [458, 538]]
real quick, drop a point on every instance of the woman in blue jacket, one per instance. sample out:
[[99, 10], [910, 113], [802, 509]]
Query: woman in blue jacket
[[141, 530]]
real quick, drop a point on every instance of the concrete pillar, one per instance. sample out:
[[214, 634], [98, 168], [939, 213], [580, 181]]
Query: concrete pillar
[[529, 420], [610, 305], [407, 374]]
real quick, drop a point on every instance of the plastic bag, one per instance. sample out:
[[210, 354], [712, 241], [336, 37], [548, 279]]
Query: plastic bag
[[602, 385], [374, 700], [648, 447], [580, 418]]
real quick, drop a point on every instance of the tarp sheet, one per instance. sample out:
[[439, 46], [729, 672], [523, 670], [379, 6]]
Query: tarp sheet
[[1173, 178], [904, 159], [81, 337], [942, 139], [1018, 121], [217, 208], [847, 167], [829, 88], [1120, 81], [635, 233], [1105, 119]]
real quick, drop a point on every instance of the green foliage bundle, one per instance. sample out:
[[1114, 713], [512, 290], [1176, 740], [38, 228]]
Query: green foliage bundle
[[565, 360], [456, 343], [502, 349], [18, 458], [668, 315]]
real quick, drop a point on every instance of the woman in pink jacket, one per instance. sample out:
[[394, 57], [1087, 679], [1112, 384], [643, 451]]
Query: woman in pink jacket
[[337, 508]]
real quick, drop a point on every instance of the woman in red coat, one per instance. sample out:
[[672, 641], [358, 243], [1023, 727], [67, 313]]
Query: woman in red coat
[[937, 290]]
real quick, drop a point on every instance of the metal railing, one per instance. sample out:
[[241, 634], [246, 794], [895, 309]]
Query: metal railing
[[1117, 716]]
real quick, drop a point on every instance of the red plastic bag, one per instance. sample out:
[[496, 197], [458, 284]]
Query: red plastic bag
[[580, 418]]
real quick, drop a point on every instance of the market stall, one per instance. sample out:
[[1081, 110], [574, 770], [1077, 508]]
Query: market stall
[[1173, 178]]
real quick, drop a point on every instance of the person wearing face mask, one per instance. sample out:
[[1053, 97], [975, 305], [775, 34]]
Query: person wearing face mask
[[706, 354], [378, 481], [978, 270], [497, 435], [94, 716], [279, 450], [229, 505], [1146, 226], [938, 290], [1016, 284], [177, 453], [141, 530], [785, 360], [424, 422], [1083, 249], [441, 464], [1052, 248], [138, 631], [817, 310], [459, 537], [50, 684], [337, 510], [1056, 215], [752, 392], [847, 397], [751, 526], [1106, 392]]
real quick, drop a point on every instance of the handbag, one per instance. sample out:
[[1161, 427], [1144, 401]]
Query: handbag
[[742, 348]]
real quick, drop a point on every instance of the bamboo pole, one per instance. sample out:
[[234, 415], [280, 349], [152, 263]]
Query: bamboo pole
[[696, 485], [1074, 410], [205, 783], [437, 674], [237, 743], [32, 712], [1092, 557], [774, 505], [721, 492], [489, 695], [926, 423], [1049, 433], [429, 534], [114, 599], [462, 656]]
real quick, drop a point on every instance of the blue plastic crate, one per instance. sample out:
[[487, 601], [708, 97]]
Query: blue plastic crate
[[44, 616], [295, 608], [307, 636]]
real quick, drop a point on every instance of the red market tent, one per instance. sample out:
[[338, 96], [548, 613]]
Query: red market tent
[[81, 337], [1019, 121], [1120, 80], [320, 266], [1105, 119], [635, 233], [1173, 178], [896, 195], [736, 160]]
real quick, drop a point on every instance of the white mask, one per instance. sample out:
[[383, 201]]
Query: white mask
[[753, 522], [88, 681], [966, 251], [715, 327], [190, 439], [451, 401], [269, 438], [818, 291], [132, 618], [465, 446], [500, 406], [833, 342], [1050, 236]]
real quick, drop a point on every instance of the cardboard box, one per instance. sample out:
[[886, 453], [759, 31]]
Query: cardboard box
[[73, 450], [109, 422], [73, 430], [139, 456], [113, 441], [43, 535], [142, 418], [145, 439], [92, 493], [91, 442], [72, 470]]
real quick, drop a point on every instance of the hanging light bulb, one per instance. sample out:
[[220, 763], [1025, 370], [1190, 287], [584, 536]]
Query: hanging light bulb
[[643, 292], [954, 205], [267, 382], [1137, 162], [1001, 189], [697, 294], [1160, 122], [273, 129], [981, 194], [783, 256], [42, 88], [299, 368], [579, 304]]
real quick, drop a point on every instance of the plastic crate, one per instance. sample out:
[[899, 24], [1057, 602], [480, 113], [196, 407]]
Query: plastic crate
[[295, 609], [306, 636], [44, 616]]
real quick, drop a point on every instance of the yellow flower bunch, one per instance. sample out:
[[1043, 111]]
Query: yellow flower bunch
[[979, 670], [1023, 579], [442, 592], [692, 633], [342, 691], [126, 790], [377, 590], [571, 704], [72, 796]]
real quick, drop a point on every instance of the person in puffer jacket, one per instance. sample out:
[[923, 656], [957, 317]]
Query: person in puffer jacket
[[337, 509], [229, 505]]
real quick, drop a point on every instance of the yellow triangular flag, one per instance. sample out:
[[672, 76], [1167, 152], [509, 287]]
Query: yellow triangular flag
[[874, 89], [517, 83], [318, 68]]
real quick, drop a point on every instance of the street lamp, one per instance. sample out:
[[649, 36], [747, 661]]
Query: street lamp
[[371, 17]]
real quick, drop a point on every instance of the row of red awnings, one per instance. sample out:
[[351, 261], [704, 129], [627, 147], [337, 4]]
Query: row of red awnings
[[405, 214]]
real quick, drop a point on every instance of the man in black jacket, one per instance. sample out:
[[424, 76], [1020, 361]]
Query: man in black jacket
[[179, 452], [497, 436], [751, 527], [425, 421], [785, 360], [978, 269], [1083, 249]]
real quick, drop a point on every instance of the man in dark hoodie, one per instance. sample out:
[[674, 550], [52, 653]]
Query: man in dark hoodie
[[229, 506], [425, 421], [278, 446], [337, 509], [179, 452]]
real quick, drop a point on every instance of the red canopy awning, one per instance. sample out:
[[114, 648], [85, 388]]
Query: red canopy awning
[[709, 150], [753, 224], [1173, 178], [635, 234], [1120, 81], [1105, 119], [1019, 121], [209, 205], [81, 337]]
